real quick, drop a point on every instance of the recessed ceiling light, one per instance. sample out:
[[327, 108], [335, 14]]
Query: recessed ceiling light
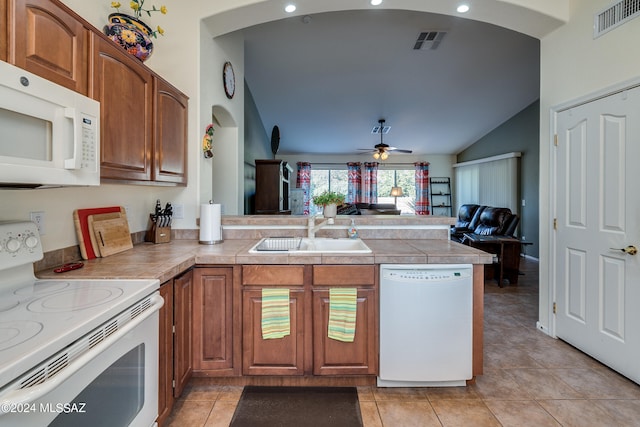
[[290, 8], [463, 8], [376, 2]]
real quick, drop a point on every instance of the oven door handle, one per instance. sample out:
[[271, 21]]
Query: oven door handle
[[20, 396]]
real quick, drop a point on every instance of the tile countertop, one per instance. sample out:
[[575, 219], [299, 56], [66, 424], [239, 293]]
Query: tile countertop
[[166, 260]]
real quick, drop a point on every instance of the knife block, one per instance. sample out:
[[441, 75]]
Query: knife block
[[158, 234]]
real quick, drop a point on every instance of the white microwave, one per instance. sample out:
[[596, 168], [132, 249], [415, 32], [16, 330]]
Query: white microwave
[[49, 135]]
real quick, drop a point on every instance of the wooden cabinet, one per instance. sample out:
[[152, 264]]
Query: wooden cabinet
[[308, 350], [51, 41], [125, 91], [216, 316], [175, 344], [182, 338], [332, 357], [281, 356], [165, 360], [143, 120], [272, 187], [169, 140], [4, 30]]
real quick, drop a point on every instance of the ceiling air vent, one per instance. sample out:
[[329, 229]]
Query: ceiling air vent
[[429, 40], [380, 129], [614, 16]]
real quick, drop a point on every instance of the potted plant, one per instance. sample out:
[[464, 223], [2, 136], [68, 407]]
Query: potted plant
[[329, 200]]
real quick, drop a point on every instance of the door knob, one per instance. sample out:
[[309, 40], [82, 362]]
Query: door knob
[[631, 250]]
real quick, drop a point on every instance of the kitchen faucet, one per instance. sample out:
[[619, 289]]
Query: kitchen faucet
[[312, 227]]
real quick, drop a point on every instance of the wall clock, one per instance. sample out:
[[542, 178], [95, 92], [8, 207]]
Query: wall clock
[[229, 80]]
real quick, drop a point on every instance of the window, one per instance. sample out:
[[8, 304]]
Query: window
[[336, 180], [326, 180], [403, 178]]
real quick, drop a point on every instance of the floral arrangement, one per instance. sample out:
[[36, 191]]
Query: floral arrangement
[[207, 142], [138, 10], [329, 197]]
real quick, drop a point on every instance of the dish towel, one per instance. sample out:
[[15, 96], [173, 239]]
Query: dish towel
[[275, 313], [342, 313]]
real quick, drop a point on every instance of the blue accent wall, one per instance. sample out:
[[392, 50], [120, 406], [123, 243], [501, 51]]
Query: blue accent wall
[[519, 133]]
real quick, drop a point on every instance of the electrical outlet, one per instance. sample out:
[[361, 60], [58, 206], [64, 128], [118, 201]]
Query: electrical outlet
[[178, 211], [39, 219]]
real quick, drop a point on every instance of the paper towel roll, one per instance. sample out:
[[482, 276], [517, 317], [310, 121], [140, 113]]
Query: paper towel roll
[[210, 228]]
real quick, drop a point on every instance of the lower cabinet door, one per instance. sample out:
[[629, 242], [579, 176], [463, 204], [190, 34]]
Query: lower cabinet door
[[213, 324], [183, 345], [165, 362], [280, 356], [332, 357]]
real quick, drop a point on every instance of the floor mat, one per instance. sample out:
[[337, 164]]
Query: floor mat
[[298, 406]]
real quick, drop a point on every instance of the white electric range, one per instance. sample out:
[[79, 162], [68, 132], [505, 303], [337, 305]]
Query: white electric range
[[73, 352]]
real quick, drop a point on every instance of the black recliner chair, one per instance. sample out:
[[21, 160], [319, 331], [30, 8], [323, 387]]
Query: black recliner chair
[[484, 220]]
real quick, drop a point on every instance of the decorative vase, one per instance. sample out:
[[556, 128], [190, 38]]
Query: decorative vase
[[130, 33], [330, 210]]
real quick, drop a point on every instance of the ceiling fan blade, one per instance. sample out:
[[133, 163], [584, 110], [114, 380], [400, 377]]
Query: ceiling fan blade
[[366, 149], [399, 150]]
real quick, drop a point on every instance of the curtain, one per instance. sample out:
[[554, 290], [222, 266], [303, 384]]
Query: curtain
[[354, 184], [422, 188], [304, 182], [370, 183]]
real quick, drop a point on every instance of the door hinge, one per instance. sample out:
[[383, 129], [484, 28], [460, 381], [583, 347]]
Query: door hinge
[[554, 308], [173, 383], [555, 223], [555, 139], [173, 329]]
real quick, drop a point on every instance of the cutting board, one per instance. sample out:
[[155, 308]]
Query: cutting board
[[112, 236], [80, 218], [91, 219]]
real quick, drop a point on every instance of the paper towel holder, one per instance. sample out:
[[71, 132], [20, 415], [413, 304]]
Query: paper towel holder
[[211, 242]]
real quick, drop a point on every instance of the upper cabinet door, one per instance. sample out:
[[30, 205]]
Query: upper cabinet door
[[49, 41], [124, 88], [170, 139], [4, 30]]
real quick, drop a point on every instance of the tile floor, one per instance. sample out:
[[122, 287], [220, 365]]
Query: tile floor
[[530, 379]]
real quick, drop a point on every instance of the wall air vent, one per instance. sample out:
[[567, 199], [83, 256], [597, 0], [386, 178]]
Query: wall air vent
[[429, 40], [614, 16]]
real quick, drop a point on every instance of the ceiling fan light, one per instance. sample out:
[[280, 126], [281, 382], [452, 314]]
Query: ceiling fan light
[[376, 155], [384, 155]]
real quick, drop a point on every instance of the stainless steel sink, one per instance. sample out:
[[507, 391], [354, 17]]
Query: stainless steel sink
[[302, 245]]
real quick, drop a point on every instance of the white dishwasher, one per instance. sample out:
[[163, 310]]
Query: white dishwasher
[[426, 325]]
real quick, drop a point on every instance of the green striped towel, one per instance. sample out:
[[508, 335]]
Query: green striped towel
[[342, 313], [275, 313]]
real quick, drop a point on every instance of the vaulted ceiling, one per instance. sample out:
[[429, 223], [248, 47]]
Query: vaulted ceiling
[[325, 80]]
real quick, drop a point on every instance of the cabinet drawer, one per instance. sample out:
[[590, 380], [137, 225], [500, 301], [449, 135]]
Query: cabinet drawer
[[272, 275], [347, 275]]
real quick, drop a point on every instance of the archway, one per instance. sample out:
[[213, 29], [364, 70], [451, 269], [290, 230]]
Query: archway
[[214, 179]]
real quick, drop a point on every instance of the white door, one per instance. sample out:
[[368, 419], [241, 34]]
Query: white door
[[597, 209]]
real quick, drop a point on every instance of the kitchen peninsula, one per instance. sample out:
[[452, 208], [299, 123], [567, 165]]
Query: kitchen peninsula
[[226, 282]]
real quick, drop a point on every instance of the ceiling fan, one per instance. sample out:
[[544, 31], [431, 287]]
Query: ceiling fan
[[381, 150]]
